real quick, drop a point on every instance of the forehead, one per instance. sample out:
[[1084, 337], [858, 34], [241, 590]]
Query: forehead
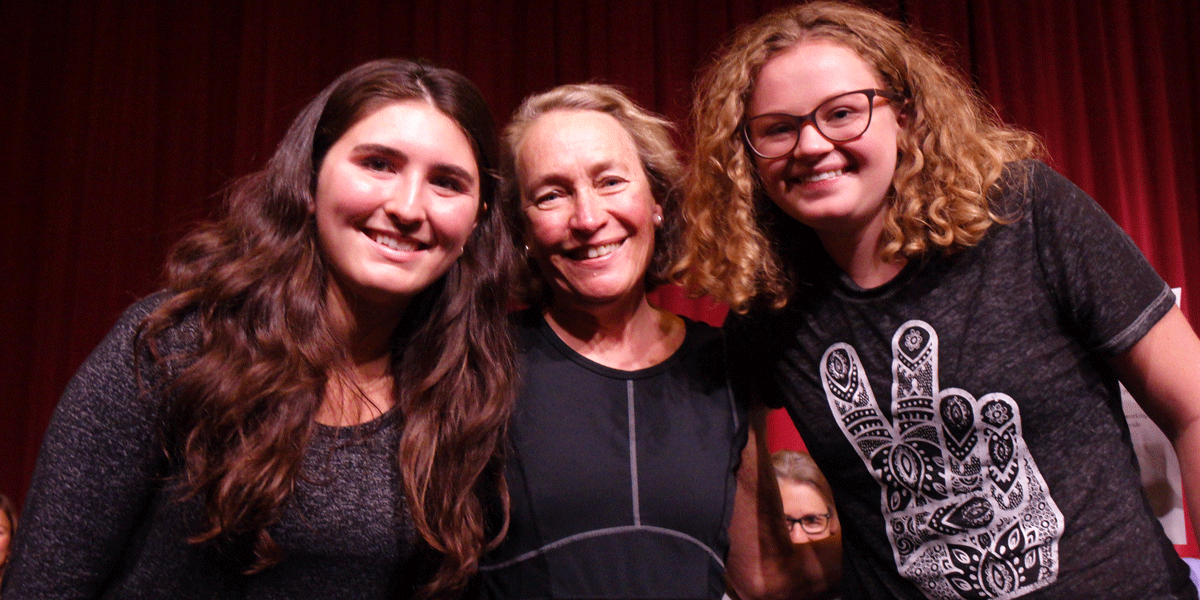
[[562, 137], [807, 73], [415, 125], [801, 498]]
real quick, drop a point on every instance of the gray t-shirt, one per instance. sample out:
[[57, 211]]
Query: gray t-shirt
[[965, 414], [103, 519]]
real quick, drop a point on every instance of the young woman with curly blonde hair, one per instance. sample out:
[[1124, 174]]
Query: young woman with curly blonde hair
[[951, 153], [944, 317]]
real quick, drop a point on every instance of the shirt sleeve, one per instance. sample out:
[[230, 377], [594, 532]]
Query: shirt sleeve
[[99, 465], [1106, 290]]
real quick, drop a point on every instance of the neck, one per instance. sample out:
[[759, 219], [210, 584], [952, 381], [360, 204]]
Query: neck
[[858, 254], [365, 326], [360, 387], [628, 335]]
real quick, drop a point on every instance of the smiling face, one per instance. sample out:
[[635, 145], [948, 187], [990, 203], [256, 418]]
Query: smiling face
[[590, 211], [835, 188], [397, 197]]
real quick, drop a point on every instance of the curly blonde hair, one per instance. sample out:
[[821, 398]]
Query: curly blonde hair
[[651, 136], [952, 152]]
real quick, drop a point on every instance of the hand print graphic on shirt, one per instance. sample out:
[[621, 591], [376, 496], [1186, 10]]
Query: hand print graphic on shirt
[[966, 509]]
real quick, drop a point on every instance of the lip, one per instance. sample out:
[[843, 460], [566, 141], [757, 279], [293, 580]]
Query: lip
[[594, 252], [394, 242], [816, 178]]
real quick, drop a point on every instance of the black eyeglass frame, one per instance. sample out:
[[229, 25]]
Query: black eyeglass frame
[[794, 522], [811, 117]]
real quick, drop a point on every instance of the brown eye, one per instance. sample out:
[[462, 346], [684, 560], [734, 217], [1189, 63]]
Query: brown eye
[[376, 163]]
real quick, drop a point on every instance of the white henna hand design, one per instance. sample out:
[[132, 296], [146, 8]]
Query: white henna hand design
[[966, 509]]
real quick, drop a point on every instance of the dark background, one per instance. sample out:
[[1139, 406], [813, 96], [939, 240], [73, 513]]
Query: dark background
[[120, 123]]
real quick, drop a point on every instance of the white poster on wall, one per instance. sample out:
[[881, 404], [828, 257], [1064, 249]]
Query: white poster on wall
[[1160, 466]]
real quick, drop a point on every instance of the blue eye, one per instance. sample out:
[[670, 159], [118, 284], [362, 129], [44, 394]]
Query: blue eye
[[548, 197]]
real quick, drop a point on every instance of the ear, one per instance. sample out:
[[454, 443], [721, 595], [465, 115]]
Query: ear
[[657, 215], [902, 113], [479, 215]]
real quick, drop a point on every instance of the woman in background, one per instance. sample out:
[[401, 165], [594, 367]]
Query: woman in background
[[808, 509], [8, 525], [321, 390], [807, 498], [944, 317]]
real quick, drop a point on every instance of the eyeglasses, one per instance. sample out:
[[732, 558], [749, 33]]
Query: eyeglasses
[[838, 119], [811, 524]]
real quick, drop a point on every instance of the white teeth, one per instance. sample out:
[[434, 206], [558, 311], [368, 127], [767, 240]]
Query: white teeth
[[606, 249], [394, 244], [823, 176]]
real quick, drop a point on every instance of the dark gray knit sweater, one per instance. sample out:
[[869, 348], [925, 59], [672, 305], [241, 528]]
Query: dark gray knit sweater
[[102, 519]]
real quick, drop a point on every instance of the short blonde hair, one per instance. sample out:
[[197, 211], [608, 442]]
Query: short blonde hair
[[952, 152], [799, 467], [651, 136]]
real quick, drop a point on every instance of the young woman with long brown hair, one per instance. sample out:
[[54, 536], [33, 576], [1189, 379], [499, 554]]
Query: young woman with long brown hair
[[314, 405]]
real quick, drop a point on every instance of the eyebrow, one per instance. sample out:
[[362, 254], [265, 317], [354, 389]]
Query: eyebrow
[[390, 152], [558, 179]]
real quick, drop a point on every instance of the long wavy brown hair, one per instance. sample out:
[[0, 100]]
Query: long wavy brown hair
[[952, 154], [244, 404], [651, 135]]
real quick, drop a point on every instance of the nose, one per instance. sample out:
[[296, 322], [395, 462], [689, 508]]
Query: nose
[[810, 141], [798, 535], [405, 202], [588, 215]]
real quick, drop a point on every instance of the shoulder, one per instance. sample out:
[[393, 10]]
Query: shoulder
[[1022, 184], [119, 347], [124, 361], [705, 350], [700, 332], [1032, 185], [526, 324]]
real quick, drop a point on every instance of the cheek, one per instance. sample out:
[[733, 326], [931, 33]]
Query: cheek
[[768, 172], [340, 195], [455, 222], [544, 229]]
